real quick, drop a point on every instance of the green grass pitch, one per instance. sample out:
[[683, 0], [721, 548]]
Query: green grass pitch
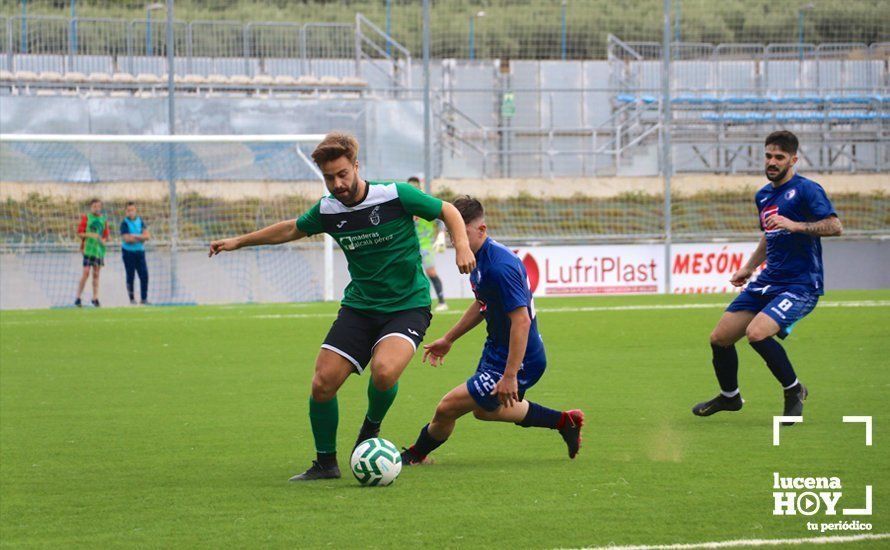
[[165, 427]]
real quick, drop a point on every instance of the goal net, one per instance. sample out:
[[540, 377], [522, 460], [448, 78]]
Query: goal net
[[188, 190]]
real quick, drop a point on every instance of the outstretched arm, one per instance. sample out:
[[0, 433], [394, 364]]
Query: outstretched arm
[[437, 350], [278, 233], [466, 261], [826, 227], [468, 321]]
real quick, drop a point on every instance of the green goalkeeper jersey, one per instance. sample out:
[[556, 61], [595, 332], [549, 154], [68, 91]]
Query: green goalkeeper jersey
[[426, 232], [378, 238]]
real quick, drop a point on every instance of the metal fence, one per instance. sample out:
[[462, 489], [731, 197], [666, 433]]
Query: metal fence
[[63, 45]]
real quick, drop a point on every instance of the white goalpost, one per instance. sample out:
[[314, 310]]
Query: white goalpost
[[188, 189]]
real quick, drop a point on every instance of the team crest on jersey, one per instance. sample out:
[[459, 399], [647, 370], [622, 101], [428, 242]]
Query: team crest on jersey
[[375, 215], [790, 194]]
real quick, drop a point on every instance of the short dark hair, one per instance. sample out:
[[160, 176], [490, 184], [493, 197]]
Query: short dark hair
[[94, 201], [413, 178], [129, 204], [784, 140], [334, 146], [470, 209]]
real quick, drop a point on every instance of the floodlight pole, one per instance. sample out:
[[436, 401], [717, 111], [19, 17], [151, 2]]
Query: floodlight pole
[[427, 113], [666, 159], [23, 39], [800, 16], [72, 40], [389, 27], [171, 157]]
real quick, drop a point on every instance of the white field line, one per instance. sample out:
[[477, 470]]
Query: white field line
[[752, 542], [332, 314]]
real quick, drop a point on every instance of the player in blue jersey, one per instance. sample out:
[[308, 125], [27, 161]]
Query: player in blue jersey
[[794, 213], [513, 358]]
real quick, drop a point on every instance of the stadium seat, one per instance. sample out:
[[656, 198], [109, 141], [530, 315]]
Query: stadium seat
[[851, 116], [798, 100], [848, 99], [26, 76], [285, 80], [50, 76], [695, 100], [149, 78], [263, 80], [193, 80], [329, 81], [99, 78], [354, 82], [217, 79], [745, 100], [6, 76], [307, 80], [123, 78], [240, 80], [74, 77]]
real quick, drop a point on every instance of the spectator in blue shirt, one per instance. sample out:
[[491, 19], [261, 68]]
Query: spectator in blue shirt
[[134, 233]]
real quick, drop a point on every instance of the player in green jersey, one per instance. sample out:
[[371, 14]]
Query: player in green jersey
[[431, 235], [93, 233], [385, 309]]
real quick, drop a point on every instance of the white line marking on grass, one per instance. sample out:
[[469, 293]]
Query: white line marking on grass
[[329, 315], [864, 420], [777, 420], [751, 542]]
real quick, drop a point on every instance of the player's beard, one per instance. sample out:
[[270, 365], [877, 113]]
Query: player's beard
[[776, 176], [352, 196]]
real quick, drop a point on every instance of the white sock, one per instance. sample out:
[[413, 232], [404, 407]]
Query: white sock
[[796, 382], [732, 393]]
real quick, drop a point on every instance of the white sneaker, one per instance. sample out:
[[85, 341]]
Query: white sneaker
[[442, 307]]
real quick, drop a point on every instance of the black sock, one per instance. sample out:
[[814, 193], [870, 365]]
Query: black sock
[[369, 426], [726, 367], [777, 361], [327, 459], [425, 443], [539, 416], [130, 292], [437, 285]]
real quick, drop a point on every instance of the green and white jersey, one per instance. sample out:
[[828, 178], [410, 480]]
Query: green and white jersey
[[378, 238]]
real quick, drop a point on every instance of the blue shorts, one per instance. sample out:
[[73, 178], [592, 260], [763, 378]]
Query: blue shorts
[[784, 307], [491, 369]]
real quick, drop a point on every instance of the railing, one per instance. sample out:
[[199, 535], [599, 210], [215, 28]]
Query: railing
[[63, 45], [757, 67], [390, 58]]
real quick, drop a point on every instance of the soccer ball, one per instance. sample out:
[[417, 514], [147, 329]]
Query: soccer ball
[[376, 462]]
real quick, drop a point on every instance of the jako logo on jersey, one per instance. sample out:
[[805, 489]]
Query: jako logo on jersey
[[790, 194], [341, 224], [375, 216]]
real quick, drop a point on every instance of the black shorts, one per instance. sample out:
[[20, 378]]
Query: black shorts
[[355, 334], [92, 261]]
